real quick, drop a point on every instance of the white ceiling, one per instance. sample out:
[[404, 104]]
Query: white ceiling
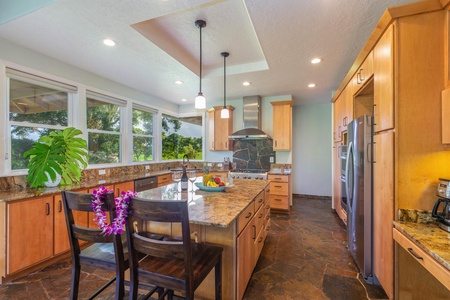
[[271, 43]]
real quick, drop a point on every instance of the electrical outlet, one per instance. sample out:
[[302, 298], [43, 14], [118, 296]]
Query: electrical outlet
[[101, 172], [147, 167], [271, 159]]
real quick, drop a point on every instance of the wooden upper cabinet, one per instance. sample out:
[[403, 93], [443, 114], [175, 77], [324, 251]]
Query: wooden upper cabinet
[[282, 125], [446, 116], [364, 72], [384, 81], [219, 129]]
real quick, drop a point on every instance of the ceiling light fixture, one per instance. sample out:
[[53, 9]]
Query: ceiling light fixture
[[200, 101], [224, 114], [109, 42], [178, 82], [246, 83], [184, 100], [311, 85], [315, 60]]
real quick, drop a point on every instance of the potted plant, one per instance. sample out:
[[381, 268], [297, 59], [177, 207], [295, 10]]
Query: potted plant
[[60, 153]]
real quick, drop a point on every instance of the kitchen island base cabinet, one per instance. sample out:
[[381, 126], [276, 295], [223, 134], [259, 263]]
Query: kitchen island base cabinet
[[280, 193]]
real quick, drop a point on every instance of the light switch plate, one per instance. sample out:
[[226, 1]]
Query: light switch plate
[[271, 159], [101, 172]]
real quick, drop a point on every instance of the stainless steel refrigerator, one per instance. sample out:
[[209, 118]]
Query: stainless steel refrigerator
[[359, 194]]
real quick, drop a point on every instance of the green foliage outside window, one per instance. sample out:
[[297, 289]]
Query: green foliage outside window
[[176, 145]]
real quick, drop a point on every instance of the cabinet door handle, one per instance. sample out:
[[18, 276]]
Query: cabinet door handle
[[278, 186], [260, 216], [361, 75], [277, 199], [254, 232], [60, 206], [249, 215], [226, 144], [414, 254], [278, 178], [260, 239], [275, 143], [260, 200], [47, 205]]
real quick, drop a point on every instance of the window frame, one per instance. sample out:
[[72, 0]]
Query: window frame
[[47, 82], [122, 104], [155, 119]]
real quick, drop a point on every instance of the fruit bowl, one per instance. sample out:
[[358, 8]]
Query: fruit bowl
[[209, 188]]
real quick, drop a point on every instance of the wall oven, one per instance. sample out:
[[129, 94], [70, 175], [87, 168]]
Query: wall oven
[[343, 163]]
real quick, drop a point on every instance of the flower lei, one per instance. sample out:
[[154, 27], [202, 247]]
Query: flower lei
[[116, 226]]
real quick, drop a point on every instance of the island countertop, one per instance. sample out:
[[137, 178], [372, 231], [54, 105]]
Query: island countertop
[[212, 208]]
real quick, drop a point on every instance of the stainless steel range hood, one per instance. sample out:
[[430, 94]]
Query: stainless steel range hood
[[252, 121]]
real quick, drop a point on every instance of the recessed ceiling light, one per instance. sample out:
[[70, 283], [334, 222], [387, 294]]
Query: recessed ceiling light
[[178, 82], [246, 83], [315, 60], [184, 100], [311, 85], [109, 42]]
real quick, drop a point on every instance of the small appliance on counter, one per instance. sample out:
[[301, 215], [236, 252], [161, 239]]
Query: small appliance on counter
[[443, 215]]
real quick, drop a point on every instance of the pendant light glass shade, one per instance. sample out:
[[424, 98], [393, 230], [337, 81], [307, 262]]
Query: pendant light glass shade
[[200, 100], [224, 114]]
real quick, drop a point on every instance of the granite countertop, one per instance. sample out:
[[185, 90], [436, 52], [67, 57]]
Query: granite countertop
[[212, 208], [18, 194], [430, 238]]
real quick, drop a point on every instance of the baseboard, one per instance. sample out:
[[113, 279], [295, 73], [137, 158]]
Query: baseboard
[[317, 197]]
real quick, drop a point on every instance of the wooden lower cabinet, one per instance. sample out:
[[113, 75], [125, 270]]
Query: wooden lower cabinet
[[36, 229], [164, 179], [61, 237], [29, 232], [245, 249], [418, 275], [280, 193]]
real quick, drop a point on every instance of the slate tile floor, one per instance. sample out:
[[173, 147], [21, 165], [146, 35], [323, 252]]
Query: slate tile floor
[[305, 257]]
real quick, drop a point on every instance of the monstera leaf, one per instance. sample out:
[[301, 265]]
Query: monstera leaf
[[60, 152]]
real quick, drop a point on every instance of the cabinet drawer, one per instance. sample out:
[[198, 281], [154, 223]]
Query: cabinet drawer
[[245, 217], [279, 188], [279, 202], [259, 200], [259, 219], [280, 178], [164, 179], [429, 263]]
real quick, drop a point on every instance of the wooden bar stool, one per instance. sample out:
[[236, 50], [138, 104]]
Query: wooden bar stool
[[179, 265], [106, 252]]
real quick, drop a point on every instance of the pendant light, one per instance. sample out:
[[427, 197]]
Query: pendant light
[[224, 114], [200, 101]]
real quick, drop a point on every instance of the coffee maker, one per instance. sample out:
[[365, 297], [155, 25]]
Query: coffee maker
[[443, 215]]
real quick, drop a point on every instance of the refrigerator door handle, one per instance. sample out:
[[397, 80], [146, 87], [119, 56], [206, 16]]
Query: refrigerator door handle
[[370, 157], [349, 179]]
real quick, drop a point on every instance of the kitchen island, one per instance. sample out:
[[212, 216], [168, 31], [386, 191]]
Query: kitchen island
[[236, 219]]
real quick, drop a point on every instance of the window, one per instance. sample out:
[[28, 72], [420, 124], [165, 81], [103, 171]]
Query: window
[[181, 136], [36, 107], [142, 126], [104, 128]]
